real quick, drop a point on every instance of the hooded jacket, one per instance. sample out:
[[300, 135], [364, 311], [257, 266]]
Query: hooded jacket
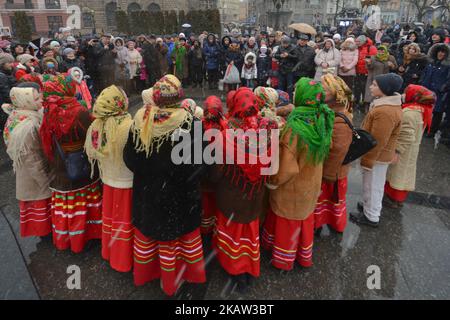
[[436, 76], [349, 58], [367, 49], [332, 57], [212, 53]]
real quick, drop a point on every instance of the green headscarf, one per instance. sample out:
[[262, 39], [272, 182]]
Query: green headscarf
[[311, 120], [383, 54], [180, 53]]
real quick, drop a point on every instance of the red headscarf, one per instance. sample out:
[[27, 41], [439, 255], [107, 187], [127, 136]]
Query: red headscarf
[[230, 106], [244, 114], [61, 108], [420, 98], [213, 114]]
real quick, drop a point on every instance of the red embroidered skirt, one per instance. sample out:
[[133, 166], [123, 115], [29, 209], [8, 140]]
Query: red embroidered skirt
[[117, 230], [237, 245], [394, 194], [171, 261], [289, 240], [77, 217], [331, 208], [35, 217], [208, 212]]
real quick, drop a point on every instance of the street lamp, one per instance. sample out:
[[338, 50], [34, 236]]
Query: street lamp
[[278, 4]]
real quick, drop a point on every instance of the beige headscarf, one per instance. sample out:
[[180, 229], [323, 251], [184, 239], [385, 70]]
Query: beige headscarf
[[24, 119], [153, 125], [339, 89], [108, 134], [147, 97]]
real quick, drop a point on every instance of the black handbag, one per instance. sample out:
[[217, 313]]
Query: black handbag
[[76, 163], [362, 142]]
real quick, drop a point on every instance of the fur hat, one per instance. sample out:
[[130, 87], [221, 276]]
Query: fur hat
[[6, 58]]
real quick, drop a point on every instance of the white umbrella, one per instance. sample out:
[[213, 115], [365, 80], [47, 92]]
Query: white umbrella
[[186, 25]]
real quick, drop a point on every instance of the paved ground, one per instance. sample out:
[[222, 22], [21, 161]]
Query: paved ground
[[411, 248]]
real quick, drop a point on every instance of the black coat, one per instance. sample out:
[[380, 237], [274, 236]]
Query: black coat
[[6, 82], [264, 65], [106, 58], [69, 64], [150, 55], [288, 63], [236, 56], [414, 70], [305, 66], [166, 197], [196, 57]]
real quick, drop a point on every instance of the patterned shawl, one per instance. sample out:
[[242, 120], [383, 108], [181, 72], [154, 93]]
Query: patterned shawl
[[61, 109], [420, 98], [24, 119], [311, 120], [213, 117], [108, 133]]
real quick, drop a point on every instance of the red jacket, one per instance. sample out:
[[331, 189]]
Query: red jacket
[[368, 49]]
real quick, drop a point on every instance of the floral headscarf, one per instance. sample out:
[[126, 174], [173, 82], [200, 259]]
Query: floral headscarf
[[338, 88], [383, 54], [213, 114], [420, 98], [61, 108], [23, 119], [108, 133], [245, 116], [311, 121]]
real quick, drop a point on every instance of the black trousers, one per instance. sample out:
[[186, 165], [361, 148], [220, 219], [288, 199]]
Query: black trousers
[[197, 74], [213, 77], [360, 88]]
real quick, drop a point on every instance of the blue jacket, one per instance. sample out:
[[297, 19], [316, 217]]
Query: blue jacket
[[171, 46], [436, 77], [212, 54]]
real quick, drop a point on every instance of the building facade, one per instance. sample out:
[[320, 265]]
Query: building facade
[[45, 16]]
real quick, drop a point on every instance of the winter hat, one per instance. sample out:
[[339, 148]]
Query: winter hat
[[54, 44], [386, 39], [168, 92], [6, 58], [263, 49], [285, 39], [389, 83], [71, 39], [181, 35], [68, 51], [337, 36], [362, 38], [24, 58]]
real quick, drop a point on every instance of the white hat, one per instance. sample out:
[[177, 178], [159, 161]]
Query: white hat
[[54, 44], [337, 36], [71, 39], [181, 35]]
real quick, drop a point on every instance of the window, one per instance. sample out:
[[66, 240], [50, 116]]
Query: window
[[110, 10], [52, 4], [154, 7], [88, 21], [54, 23], [133, 7]]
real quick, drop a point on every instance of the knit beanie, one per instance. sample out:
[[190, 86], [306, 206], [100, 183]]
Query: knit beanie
[[362, 39], [24, 58], [54, 44], [389, 83], [68, 51], [6, 58]]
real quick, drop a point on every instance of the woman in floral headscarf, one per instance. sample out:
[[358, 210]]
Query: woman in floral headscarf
[[269, 98], [239, 188], [417, 116], [166, 191], [331, 206], [76, 204], [381, 63], [23, 146], [213, 118], [106, 138], [289, 228]]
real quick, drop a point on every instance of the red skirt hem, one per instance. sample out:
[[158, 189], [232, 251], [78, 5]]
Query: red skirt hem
[[171, 261], [117, 230], [35, 218], [237, 246], [288, 240], [328, 211], [394, 194]]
